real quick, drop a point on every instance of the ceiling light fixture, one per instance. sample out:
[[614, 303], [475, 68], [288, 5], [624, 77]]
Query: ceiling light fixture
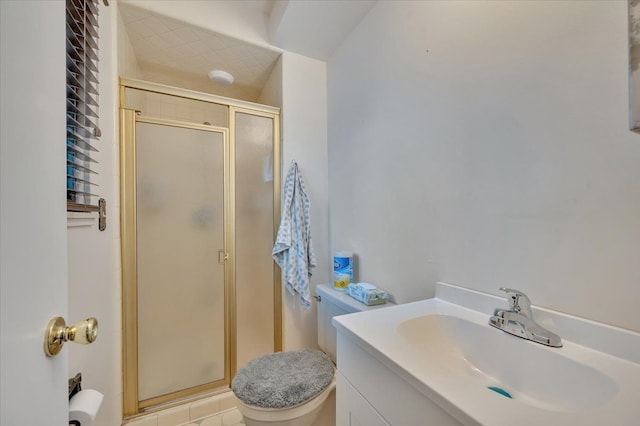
[[221, 77]]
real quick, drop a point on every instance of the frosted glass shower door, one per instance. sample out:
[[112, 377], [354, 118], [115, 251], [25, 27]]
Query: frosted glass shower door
[[180, 219], [254, 207]]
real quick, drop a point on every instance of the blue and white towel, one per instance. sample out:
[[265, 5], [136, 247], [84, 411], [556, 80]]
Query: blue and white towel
[[292, 250]]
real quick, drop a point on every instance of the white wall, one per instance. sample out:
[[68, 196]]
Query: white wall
[[499, 157], [298, 86], [304, 139], [94, 256]]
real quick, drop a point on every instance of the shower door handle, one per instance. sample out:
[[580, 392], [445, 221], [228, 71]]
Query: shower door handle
[[223, 256]]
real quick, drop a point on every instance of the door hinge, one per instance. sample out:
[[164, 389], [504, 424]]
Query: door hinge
[[102, 214]]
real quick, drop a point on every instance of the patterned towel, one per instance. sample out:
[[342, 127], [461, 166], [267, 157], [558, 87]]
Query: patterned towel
[[292, 250]]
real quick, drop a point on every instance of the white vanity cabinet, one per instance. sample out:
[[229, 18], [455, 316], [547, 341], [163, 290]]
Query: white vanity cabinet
[[352, 409], [369, 393]]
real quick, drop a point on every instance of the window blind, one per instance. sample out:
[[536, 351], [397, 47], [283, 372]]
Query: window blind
[[82, 103]]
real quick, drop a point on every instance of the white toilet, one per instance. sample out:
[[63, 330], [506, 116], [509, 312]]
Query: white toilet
[[267, 387]]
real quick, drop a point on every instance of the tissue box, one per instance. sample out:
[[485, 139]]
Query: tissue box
[[367, 293]]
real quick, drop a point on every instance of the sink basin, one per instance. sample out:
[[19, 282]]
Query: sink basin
[[479, 355]]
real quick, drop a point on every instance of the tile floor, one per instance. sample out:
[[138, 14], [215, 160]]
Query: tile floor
[[230, 417], [216, 410]]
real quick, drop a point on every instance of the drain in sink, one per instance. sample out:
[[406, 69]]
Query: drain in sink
[[500, 391]]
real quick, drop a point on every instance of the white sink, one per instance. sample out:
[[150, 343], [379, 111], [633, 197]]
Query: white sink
[[450, 355], [487, 357]]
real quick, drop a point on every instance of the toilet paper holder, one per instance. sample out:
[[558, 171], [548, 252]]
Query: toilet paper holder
[[57, 333], [75, 386]]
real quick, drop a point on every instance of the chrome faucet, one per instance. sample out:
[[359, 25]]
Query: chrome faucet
[[518, 320]]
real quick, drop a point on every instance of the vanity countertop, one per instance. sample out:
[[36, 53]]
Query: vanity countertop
[[450, 354]]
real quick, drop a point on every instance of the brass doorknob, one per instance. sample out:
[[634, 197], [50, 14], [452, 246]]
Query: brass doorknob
[[57, 333]]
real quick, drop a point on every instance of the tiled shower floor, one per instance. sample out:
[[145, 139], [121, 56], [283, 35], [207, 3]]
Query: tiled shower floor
[[226, 418]]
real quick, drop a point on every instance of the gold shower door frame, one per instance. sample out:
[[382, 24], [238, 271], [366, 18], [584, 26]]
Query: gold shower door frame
[[128, 119]]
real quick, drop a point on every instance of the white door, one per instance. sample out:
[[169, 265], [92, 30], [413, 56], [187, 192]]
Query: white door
[[33, 251]]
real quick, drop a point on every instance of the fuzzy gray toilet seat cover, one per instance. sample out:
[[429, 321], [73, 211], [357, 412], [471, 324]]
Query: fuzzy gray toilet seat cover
[[283, 379]]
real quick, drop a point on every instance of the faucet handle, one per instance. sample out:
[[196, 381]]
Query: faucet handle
[[518, 301]]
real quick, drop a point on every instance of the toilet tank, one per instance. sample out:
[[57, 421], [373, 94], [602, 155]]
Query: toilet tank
[[331, 304]]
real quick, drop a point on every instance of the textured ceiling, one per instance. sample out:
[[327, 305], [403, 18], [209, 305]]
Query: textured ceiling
[[178, 54]]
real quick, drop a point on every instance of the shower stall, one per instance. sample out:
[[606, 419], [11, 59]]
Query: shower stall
[[200, 198]]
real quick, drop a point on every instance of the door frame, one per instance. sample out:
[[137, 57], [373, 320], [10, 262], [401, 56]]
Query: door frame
[[128, 119], [131, 403], [277, 185]]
